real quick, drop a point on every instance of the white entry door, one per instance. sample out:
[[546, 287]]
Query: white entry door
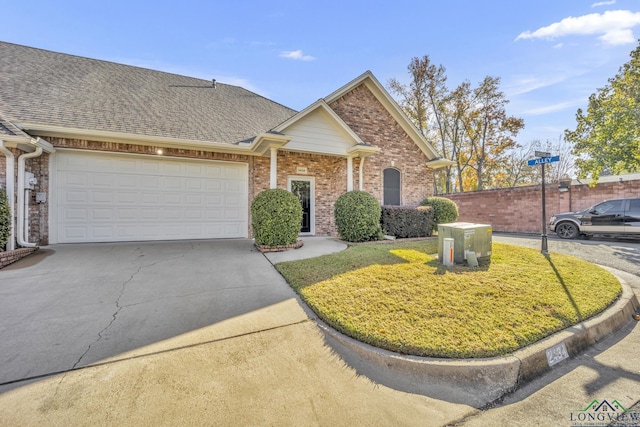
[[100, 197]]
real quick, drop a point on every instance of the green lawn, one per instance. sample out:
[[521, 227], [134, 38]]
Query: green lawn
[[398, 297]]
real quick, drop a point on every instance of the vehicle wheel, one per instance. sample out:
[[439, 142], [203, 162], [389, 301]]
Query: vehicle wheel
[[567, 230]]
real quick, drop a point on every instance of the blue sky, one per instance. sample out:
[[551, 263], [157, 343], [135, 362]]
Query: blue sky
[[550, 54]]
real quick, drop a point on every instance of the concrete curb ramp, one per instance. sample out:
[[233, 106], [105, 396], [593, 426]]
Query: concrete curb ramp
[[479, 382]]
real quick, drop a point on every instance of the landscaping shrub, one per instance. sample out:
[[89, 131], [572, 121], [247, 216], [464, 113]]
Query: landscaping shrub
[[357, 215], [407, 221], [5, 219], [276, 216], [444, 210]]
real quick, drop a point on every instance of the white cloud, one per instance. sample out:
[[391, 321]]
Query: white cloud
[[614, 27], [296, 55], [560, 106], [529, 84], [604, 3]]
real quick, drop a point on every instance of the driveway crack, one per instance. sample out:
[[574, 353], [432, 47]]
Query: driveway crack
[[113, 317]]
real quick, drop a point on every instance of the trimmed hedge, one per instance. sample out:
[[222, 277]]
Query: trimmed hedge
[[407, 221], [357, 215], [444, 210], [276, 217], [5, 219]]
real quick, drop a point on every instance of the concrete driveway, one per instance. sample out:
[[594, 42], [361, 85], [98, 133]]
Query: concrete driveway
[[73, 305], [177, 333]]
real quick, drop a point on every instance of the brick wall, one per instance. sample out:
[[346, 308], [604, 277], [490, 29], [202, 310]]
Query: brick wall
[[363, 113], [38, 212], [519, 209]]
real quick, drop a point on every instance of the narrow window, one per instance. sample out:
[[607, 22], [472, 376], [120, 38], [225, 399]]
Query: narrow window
[[391, 186]]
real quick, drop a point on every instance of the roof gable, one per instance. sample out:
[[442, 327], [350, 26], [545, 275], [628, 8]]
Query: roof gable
[[378, 91], [319, 129]]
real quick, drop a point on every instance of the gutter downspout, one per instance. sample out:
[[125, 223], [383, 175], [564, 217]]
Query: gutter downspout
[[22, 215], [361, 173], [10, 170]]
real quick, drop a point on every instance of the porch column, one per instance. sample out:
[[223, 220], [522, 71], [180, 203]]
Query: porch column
[[349, 173], [273, 177]]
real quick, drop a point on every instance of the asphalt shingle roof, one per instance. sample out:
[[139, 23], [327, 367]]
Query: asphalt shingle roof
[[49, 88]]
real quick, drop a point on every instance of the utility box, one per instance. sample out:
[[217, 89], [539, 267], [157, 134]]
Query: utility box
[[468, 238]]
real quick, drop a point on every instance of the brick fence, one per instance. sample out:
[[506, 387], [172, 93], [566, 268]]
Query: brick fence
[[519, 209], [10, 257]]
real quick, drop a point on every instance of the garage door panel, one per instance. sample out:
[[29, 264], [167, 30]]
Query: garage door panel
[[128, 181], [147, 198], [74, 179], [151, 167], [78, 214], [172, 183], [74, 196], [171, 198], [151, 182], [193, 199], [104, 215], [103, 197], [101, 180], [127, 197]]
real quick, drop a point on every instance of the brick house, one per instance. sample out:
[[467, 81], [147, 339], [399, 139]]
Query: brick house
[[96, 151]]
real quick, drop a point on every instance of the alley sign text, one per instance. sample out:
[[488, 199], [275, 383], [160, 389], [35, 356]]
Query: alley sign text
[[543, 160]]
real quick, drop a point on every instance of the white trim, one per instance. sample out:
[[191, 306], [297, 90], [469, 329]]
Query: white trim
[[257, 147], [273, 168], [312, 197], [349, 173], [10, 180]]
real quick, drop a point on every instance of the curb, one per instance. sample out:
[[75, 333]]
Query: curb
[[479, 382]]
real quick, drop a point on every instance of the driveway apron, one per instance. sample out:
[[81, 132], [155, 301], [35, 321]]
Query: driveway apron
[[73, 305]]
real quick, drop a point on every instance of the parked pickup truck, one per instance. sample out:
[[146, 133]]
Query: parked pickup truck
[[615, 217]]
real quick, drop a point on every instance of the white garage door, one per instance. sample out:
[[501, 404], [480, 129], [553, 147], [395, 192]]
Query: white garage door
[[110, 198]]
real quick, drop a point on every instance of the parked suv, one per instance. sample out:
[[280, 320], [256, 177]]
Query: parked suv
[[618, 216]]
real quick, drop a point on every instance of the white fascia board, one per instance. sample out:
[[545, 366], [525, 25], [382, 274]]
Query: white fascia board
[[147, 140], [440, 163], [363, 151]]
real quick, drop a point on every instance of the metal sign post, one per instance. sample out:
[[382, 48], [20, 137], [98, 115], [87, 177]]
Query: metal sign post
[[542, 159]]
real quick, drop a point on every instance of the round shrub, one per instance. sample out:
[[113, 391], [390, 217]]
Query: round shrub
[[276, 216], [444, 210], [357, 215], [5, 219]]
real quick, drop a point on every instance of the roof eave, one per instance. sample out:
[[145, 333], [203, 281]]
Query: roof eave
[[440, 163], [257, 146]]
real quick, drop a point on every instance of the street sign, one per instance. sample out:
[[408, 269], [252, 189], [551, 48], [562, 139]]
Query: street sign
[[543, 160]]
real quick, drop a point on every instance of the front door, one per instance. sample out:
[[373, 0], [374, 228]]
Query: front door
[[302, 188]]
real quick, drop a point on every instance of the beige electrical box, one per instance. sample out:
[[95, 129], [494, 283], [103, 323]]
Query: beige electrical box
[[468, 237]]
